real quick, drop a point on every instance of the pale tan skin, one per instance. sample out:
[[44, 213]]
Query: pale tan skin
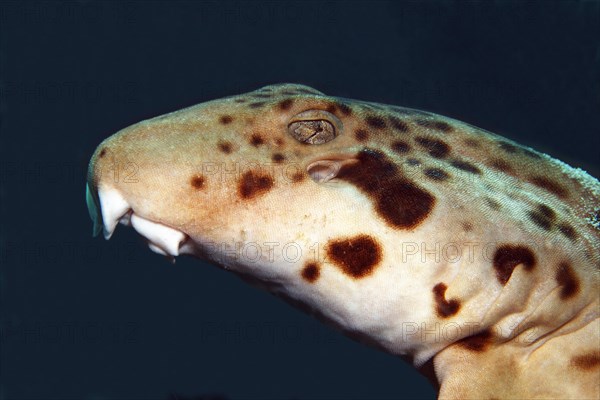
[[485, 265]]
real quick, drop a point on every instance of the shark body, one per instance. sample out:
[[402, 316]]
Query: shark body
[[474, 257]]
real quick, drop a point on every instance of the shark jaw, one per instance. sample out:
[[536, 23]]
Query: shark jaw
[[109, 208]]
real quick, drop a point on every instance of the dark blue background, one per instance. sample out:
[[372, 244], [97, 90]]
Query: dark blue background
[[81, 318]]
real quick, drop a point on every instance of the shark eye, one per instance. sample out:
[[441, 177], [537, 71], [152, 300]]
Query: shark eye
[[314, 127]]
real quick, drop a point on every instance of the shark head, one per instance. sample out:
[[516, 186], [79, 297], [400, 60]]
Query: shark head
[[411, 231]]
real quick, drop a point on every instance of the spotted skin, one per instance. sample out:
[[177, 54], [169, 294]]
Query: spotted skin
[[426, 236]]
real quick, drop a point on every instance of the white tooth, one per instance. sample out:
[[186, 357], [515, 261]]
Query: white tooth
[[156, 249], [160, 236], [113, 207]]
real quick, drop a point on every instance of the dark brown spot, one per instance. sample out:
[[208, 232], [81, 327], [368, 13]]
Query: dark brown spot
[[286, 104], [278, 158], [344, 108], [257, 104], [256, 140], [225, 147], [474, 143], [102, 153], [507, 147], [375, 122], [586, 361], [568, 231], [546, 211], [549, 185], [298, 177], [501, 165], [279, 142], [197, 181], [467, 226], [240, 100], [357, 256], [465, 166], [540, 220], [401, 147], [435, 148], [225, 119], [478, 342], [400, 202], [398, 124], [445, 308], [361, 135], [438, 125], [311, 272], [413, 162], [494, 205], [436, 174], [543, 216], [506, 259], [253, 184], [567, 279], [331, 108]]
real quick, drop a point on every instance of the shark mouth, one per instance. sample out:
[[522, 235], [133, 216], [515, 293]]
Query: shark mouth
[[108, 208]]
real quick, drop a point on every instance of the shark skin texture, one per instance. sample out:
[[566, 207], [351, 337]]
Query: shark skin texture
[[473, 257]]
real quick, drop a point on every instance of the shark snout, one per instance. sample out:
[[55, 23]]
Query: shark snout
[[113, 192]]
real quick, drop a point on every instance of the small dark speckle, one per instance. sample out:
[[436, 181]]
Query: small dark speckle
[[436, 174], [257, 104], [197, 181], [102, 153], [278, 158], [398, 124], [256, 140], [509, 148], [435, 148], [438, 125], [400, 147], [375, 122], [225, 147], [493, 204], [413, 162], [286, 104], [568, 231], [225, 119], [311, 272], [465, 166]]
